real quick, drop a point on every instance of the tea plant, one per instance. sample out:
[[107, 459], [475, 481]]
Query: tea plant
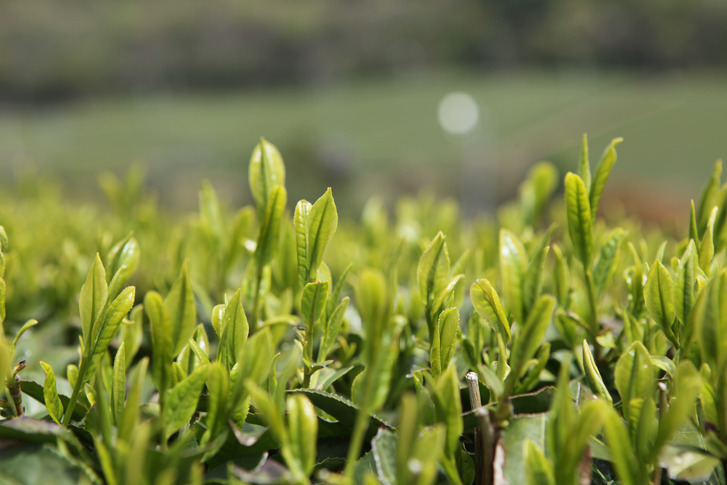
[[542, 345]]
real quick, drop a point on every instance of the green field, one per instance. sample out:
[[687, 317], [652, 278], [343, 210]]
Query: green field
[[380, 135]]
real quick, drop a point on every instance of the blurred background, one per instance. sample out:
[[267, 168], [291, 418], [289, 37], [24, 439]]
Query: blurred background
[[377, 97]]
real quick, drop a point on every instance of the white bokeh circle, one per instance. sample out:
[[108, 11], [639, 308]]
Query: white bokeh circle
[[458, 113]]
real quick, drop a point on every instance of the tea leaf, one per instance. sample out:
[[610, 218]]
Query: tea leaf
[[182, 311], [487, 304], [709, 198], [533, 278], [579, 218], [433, 268], [710, 317], [625, 461], [634, 375], [123, 259], [687, 386], [449, 408], [118, 385], [300, 221], [333, 328], [442, 348], [684, 285], [659, 293], [50, 394], [603, 170], [130, 418], [302, 431], [313, 302], [108, 324], [607, 260], [161, 338], [530, 336], [93, 298], [584, 167], [538, 469], [234, 330], [182, 400], [266, 172], [322, 223], [312, 306], [267, 240], [513, 264], [593, 375]]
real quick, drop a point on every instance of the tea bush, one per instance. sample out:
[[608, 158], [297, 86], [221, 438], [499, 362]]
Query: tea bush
[[255, 345]]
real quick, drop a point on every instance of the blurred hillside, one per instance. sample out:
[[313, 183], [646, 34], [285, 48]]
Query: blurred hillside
[[51, 50]]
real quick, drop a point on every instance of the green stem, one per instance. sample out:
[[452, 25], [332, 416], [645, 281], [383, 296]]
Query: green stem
[[359, 430], [256, 300], [595, 327], [80, 381]]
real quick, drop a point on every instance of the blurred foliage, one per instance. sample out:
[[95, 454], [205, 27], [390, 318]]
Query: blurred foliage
[[50, 49]]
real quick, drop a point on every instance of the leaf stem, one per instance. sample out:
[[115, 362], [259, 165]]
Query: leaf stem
[[82, 370]]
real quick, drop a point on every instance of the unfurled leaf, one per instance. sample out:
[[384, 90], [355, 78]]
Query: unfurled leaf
[[593, 375], [182, 311], [161, 338], [538, 469], [603, 170], [182, 400], [533, 277], [530, 336], [580, 223], [50, 394], [118, 386], [234, 330], [108, 323], [634, 375], [442, 348], [710, 317], [449, 408], [322, 224], [266, 172], [312, 306], [625, 461], [333, 328], [122, 261], [433, 269], [687, 386], [267, 240], [302, 431], [607, 262], [659, 296], [513, 264], [487, 304], [93, 297], [684, 284]]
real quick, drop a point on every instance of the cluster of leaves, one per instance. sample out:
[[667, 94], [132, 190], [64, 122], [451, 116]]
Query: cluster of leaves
[[541, 347]]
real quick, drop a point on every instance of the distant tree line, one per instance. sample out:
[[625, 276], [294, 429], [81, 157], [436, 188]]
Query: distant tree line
[[55, 50]]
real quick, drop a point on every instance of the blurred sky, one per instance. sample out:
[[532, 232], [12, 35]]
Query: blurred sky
[[351, 93]]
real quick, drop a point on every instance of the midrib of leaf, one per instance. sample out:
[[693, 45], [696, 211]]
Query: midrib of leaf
[[431, 275]]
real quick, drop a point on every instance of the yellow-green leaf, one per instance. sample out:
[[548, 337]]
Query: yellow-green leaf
[[50, 394], [580, 224]]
